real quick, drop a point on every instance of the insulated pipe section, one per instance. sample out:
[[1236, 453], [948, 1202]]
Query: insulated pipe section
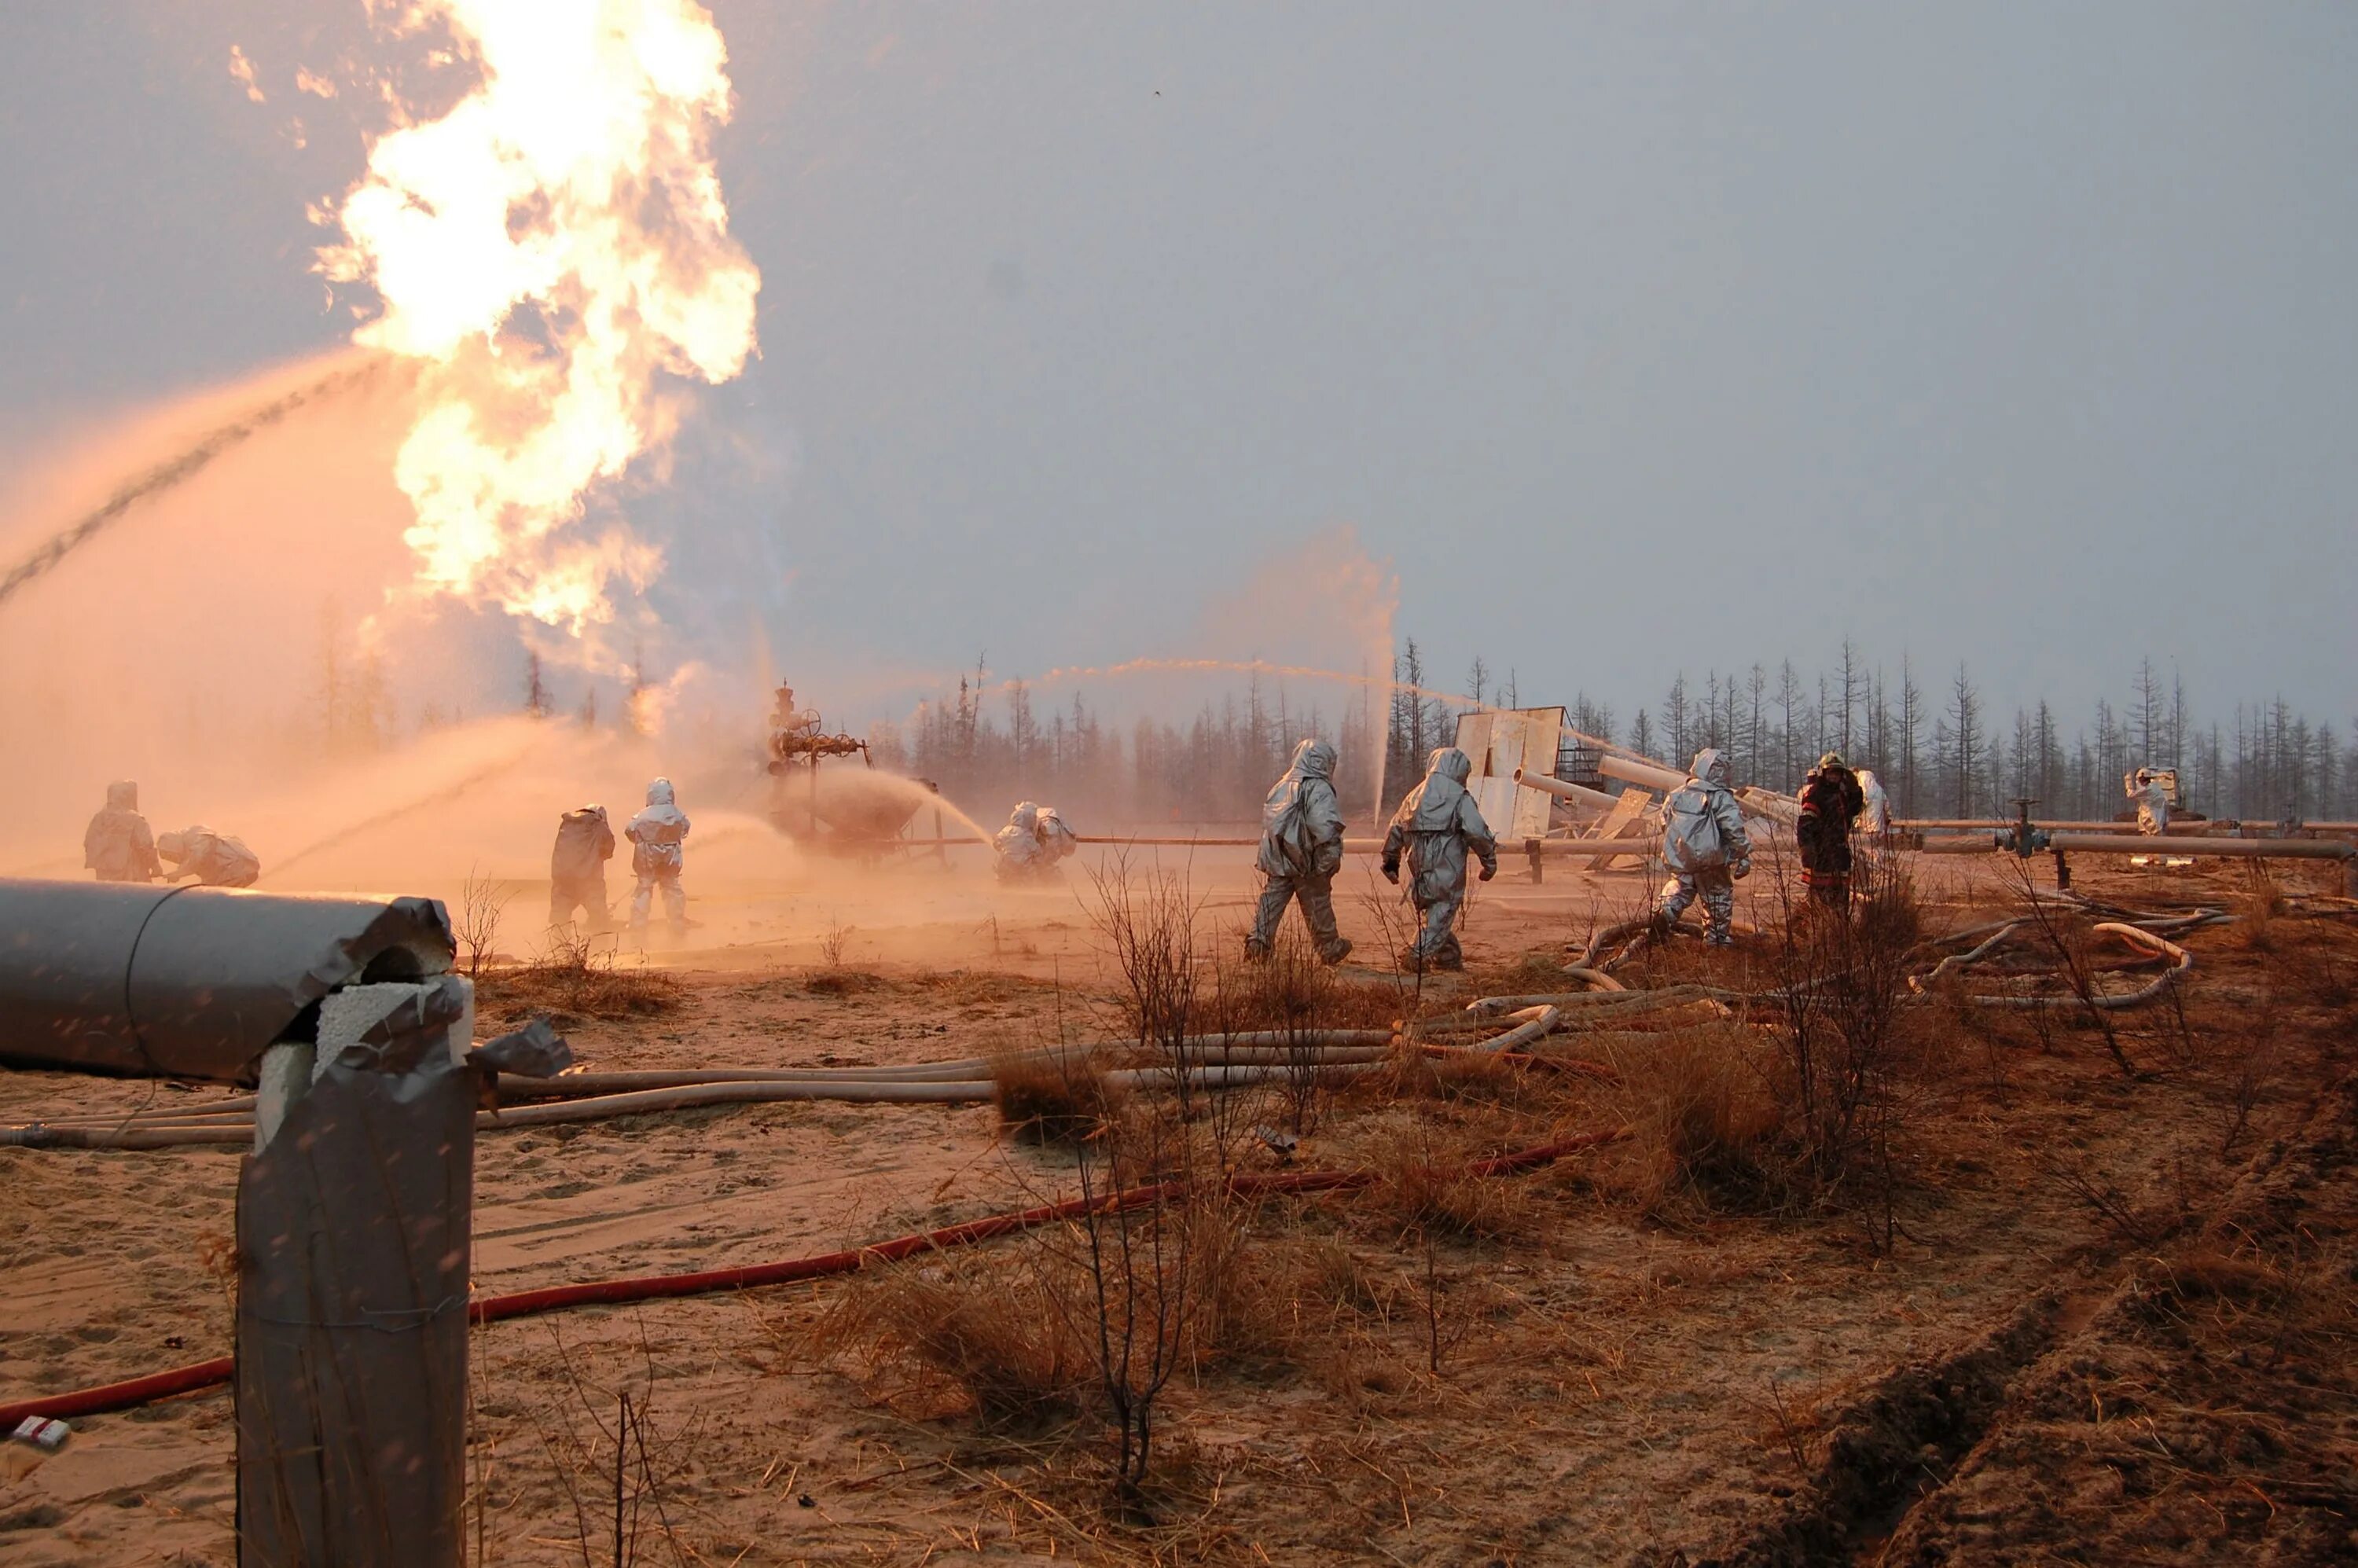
[[1663, 781], [1580, 793], [188, 982], [1653, 776]]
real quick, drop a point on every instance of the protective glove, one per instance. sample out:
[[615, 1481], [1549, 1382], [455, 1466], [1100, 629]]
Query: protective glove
[[1490, 870], [1741, 869], [1391, 873]]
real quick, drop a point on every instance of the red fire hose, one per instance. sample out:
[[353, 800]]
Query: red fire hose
[[209, 1374]]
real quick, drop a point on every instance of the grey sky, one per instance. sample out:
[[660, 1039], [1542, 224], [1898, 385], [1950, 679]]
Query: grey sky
[[1639, 336]]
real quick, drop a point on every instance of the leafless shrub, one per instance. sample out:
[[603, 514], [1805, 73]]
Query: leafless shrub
[[1396, 929], [615, 1462], [2139, 1224], [2076, 963], [481, 903], [1843, 979], [1140, 1261], [1292, 995], [834, 942], [1147, 920]]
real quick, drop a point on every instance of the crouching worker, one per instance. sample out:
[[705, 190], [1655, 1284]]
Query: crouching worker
[[117, 844], [577, 866], [1032, 843], [1705, 846], [215, 859], [658, 855], [1301, 850], [1436, 827]]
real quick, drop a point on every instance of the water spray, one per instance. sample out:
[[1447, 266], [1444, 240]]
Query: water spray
[[178, 470], [440, 797]]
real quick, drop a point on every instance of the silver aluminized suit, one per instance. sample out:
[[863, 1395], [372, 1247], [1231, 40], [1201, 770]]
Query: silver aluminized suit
[[215, 859], [1032, 843], [117, 844], [657, 835], [1301, 850], [1705, 846], [577, 866], [2152, 803], [1875, 812], [1435, 825]]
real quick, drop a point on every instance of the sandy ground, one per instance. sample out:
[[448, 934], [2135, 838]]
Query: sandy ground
[[1621, 1379]]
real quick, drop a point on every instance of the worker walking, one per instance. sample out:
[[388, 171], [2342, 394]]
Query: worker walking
[[658, 855], [117, 844], [1436, 827], [577, 866], [1705, 846], [215, 859], [1831, 803], [1301, 850]]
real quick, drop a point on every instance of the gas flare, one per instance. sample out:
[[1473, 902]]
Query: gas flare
[[553, 250]]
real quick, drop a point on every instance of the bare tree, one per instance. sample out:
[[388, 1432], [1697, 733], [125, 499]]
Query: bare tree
[[481, 903], [1965, 712]]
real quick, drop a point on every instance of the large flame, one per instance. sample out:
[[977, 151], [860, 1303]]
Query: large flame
[[551, 250]]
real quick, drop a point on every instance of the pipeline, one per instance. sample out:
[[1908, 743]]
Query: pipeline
[[228, 1129], [203, 1375], [2141, 844]]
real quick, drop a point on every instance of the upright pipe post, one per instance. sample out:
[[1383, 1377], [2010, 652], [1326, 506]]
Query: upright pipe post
[[353, 1231]]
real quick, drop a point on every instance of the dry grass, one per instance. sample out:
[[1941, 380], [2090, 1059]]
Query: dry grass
[[2256, 910], [576, 979], [1460, 1075], [1051, 1101], [992, 1338], [1422, 1184], [842, 982], [1292, 990], [1704, 1126]]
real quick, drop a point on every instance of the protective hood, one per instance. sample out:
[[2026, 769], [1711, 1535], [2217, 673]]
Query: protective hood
[[1711, 766], [661, 821], [179, 846], [1026, 817], [121, 795], [1431, 806], [1312, 759], [1867, 782]]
